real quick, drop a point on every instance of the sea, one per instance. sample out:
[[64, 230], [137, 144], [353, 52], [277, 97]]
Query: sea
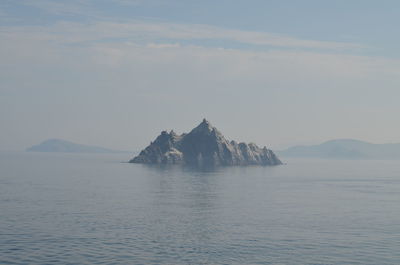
[[59, 208]]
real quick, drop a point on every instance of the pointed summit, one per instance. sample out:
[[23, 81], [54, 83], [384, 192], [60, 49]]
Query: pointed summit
[[204, 127], [206, 123]]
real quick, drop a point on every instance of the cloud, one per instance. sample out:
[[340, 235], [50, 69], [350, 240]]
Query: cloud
[[140, 2], [71, 7], [54, 79], [117, 41], [152, 32], [163, 45], [103, 46], [104, 27]]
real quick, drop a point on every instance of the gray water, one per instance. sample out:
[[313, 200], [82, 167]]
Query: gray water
[[93, 209]]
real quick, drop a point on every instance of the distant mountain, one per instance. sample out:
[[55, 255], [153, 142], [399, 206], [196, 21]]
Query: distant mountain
[[58, 145], [345, 149], [204, 146]]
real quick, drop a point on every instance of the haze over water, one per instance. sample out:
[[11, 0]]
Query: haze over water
[[74, 209], [277, 73]]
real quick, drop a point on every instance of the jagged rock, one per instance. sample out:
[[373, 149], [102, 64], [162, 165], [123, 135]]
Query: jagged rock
[[204, 146]]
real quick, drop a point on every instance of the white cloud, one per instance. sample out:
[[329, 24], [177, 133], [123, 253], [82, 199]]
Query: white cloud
[[125, 44], [163, 45], [70, 7], [138, 31], [203, 32]]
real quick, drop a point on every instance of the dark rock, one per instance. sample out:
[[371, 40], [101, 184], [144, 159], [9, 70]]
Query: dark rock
[[204, 146]]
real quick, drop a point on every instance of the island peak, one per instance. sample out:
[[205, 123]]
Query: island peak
[[203, 146]]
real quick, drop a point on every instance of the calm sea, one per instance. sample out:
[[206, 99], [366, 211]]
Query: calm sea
[[93, 209]]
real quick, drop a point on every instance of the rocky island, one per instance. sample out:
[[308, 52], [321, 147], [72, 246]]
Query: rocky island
[[204, 146]]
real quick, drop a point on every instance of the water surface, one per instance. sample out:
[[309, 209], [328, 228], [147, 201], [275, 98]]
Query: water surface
[[93, 209]]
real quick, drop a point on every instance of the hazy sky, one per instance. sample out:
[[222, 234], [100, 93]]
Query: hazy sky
[[115, 73]]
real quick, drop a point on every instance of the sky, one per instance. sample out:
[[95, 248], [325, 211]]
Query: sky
[[115, 73]]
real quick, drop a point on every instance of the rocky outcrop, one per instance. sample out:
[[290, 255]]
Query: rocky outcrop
[[204, 146]]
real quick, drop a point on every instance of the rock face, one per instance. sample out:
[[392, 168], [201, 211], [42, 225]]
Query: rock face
[[203, 146]]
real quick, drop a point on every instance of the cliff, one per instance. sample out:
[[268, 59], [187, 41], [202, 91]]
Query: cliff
[[204, 146]]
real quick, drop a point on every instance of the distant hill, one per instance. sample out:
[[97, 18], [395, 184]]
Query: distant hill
[[345, 149], [58, 145]]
